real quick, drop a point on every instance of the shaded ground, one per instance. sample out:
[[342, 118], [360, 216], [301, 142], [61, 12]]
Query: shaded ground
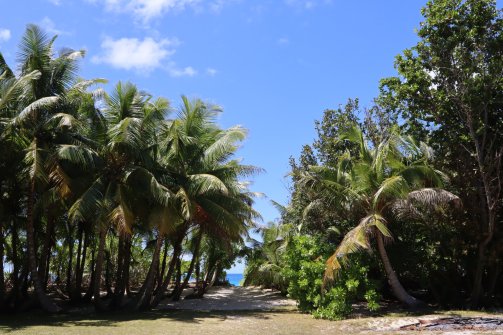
[[225, 311]]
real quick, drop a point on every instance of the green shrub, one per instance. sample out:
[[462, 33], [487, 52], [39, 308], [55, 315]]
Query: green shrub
[[304, 270]]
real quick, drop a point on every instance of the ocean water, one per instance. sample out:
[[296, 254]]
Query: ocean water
[[234, 278]]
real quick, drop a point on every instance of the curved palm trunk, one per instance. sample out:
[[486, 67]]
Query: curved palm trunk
[[46, 303], [177, 249], [178, 292], [393, 281], [160, 274], [143, 300], [98, 304]]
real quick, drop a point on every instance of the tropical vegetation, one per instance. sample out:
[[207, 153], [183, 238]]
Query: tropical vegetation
[[113, 197], [402, 200], [106, 197]]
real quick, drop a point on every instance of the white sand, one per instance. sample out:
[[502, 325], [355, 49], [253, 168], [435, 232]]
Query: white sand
[[233, 298]]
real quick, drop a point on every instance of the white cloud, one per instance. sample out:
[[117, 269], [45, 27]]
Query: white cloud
[[55, 2], [176, 72], [283, 41], [216, 6], [4, 35], [49, 26], [306, 4], [142, 55], [146, 10], [135, 54], [211, 72]]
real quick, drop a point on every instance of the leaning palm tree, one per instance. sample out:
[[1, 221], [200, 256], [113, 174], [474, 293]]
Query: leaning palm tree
[[393, 180]]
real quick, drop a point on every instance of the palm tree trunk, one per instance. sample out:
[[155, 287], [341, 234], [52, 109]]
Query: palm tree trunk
[[393, 281], [14, 293], [98, 304], [75, 294], [92, 266], [163, 266], [127, 262], [2, 274], [145, 295], [108, 273], [70, 259], [177, 249], [120, 282], [80, 274], [216, 273], [46, 251], [46, 303], [178, 292]]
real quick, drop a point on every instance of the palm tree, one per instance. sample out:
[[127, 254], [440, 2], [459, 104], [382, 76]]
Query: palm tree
[[124, 179], [43, 82], [211, 198], [393, 180], [265, 259]]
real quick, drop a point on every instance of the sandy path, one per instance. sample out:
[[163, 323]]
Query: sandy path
[[234, 298]]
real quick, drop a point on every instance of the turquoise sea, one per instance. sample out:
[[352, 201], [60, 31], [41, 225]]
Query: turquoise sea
[[234, 278]]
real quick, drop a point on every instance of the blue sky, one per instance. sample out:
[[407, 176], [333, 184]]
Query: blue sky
[[274, 66]]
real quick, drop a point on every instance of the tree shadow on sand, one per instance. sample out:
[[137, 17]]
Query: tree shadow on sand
[[16, 322]]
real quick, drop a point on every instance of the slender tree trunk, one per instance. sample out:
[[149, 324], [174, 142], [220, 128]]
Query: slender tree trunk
[[80, 273], [75, 294], [144, 298], [490, 172], [178, 293], [46, 251], [98, 304], [478, 288], [70, 259], [177, 249], [216, 273], [108, 273], [46, 303], [2, 275], [127, 263], [393, 281], [120, 284], [92, 267], [23, 280], [494, 278], [163, 267], [178, 278], [206, 281], [15, 292], [198, 271]]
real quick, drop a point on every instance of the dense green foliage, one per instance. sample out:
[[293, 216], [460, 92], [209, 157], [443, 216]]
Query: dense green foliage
[[106, 192], [417, 177], [304, 269]]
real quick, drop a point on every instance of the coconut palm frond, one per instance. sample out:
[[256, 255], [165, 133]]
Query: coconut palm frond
[[392, 187], [29, 111], [433, 197], [77, 154], [203, 183]]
